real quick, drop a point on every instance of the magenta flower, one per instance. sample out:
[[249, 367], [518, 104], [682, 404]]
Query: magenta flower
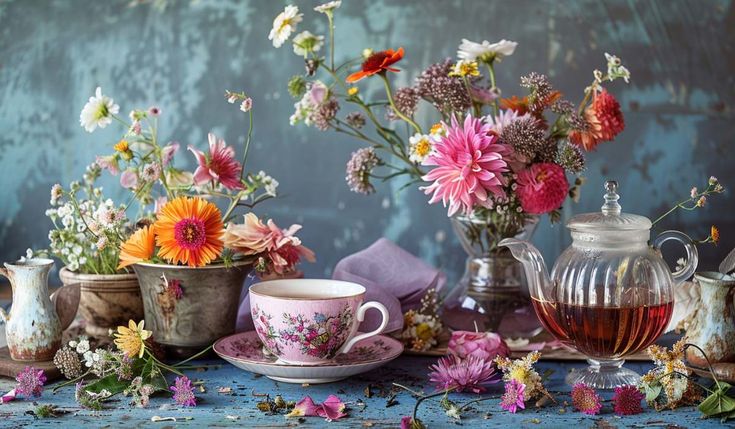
[[30, 382], [484, 345], [627, 400], [184, 392], [220, 166], [462, 375], [469, 167], [585, 399], [331, 409], [542, 188], [304, 408], [406, 422], [514, 396]]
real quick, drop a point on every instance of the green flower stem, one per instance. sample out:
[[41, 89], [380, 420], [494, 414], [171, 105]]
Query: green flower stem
[[474, 401], [422, 398], [393, 104], [330, 17], [709, 365], [247, 142], [682, 204], [194, 357], [163, 365], [475, 106], [68, 382], [491, 71]]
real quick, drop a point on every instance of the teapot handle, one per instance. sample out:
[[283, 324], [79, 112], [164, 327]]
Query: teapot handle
[[4, 316], [691, 250]]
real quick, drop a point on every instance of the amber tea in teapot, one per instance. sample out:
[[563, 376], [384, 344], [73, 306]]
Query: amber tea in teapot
[[610, 294]]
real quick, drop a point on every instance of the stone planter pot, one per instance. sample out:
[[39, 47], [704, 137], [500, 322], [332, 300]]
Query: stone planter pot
[[188, 308], [106, 301]]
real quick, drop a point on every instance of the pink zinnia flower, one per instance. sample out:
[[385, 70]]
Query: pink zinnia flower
[[469, 166], [220, 166], [30, 382], [585, 399], [184, 392], [484, 345], [542, 188], [627, 400], [514, 396], [468, 374]]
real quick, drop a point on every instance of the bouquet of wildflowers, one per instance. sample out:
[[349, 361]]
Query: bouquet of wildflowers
[[177, 220], [492, 159]]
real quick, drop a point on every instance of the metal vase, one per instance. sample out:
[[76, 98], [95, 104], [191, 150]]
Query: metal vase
[[189, 308]]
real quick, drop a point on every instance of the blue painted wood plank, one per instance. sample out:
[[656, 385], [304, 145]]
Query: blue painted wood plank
[[214, 407]]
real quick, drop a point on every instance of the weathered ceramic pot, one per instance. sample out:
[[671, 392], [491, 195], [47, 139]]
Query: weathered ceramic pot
[[106, 301], [188, 308], [32, 327], [713, 325]]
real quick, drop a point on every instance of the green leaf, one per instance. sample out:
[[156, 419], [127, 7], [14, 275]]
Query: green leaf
[[718, 402], [652, 391], [109, 383]]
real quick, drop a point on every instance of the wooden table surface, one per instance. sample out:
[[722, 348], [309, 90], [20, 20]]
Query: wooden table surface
[[238, 409]]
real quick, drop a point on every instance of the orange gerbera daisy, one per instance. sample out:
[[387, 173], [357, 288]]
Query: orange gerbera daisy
[[139, 247], [516, 104], [189, 231], [377, 63]]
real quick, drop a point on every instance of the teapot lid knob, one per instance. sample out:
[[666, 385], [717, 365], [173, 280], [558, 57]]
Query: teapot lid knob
[[611, 206]]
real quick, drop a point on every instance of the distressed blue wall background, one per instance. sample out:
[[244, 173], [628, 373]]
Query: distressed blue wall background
[[182, 55]]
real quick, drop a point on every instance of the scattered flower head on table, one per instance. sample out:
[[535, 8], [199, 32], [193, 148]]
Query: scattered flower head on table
[[183, 392], [514, 396], [30, 382], [627, 400], [332, 409], [471, 374], [585, 399], [522, 371], [670, 376], [484, 345]]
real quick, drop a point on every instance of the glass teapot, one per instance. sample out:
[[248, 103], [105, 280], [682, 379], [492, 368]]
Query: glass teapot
[[610, 293]]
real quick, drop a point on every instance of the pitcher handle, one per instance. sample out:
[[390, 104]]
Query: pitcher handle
[[691, 250], [360, 317], [4, 316]]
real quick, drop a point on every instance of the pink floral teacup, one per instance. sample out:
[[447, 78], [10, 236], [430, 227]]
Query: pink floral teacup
[[309, 322]]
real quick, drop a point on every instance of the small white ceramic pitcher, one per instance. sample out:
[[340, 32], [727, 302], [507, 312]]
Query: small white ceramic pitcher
[[32, 327]]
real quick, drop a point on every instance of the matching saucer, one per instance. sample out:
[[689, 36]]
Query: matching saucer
[[245, 351]]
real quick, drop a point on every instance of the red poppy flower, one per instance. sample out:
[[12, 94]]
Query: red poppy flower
[[377, 63]]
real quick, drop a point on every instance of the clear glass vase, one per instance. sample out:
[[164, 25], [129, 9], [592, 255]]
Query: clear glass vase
[[492, 295]]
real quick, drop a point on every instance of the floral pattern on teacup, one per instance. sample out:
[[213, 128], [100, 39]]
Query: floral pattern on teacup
[[265, 330], [321, 336]]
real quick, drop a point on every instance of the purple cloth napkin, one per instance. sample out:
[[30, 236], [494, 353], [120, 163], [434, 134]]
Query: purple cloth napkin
[[391, 275]]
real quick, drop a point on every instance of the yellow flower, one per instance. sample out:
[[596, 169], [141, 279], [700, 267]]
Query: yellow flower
[[353, 91], [122, 146], [424, 331], [714, 233], [131, 339], [438, 130], [465, 68]]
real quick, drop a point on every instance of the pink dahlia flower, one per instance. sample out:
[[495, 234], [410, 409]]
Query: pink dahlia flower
[[464, 375], [514, 396], [220, 166], [483, 345], [542, 188], [469, 167]]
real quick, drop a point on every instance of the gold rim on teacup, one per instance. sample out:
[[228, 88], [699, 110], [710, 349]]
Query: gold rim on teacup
[[301, 289]]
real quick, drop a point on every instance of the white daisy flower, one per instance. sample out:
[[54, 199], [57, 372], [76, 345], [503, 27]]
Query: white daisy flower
[[305, 42], [98, 111], [284, 24], [485, 51], [328, 6], [420, 146]]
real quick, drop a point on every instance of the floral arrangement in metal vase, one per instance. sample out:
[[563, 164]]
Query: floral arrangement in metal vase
[[499, 160], [185, 226]]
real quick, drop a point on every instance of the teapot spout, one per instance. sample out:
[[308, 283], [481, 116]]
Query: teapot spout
[[526, 253]]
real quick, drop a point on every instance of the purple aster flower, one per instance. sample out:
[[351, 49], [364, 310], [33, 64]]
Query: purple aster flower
[[514, 396], [469, 374], [30, 382], [585, 399], [359, 167], [184, 392]]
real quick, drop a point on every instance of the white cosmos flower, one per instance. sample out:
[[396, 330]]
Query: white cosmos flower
[[328, 6], [420, 146], [485, 51], [98, 111], [284, 24], [305, 42]]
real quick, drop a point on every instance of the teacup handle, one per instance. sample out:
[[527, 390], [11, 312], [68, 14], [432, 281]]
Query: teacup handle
[[691, 251], [360, 317]]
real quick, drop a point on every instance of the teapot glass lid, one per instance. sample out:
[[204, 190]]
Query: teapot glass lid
[[611, 217]]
